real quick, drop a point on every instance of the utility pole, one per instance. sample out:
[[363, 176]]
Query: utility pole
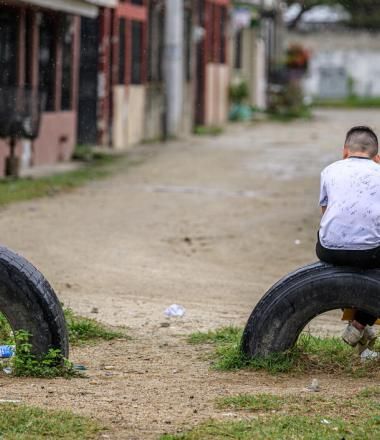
[[173, 64]]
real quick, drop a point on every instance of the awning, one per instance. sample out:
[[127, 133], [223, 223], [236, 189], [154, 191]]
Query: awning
[[104, 3], [76, 7]]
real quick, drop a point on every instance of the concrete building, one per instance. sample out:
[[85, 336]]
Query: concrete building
[[39, 58]]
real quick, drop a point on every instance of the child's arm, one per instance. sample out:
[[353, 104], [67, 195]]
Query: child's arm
[[323, 197]]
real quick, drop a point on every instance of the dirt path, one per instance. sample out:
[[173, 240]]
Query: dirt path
[[209, 224]]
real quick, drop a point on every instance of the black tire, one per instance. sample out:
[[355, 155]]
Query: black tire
[[284, 311], [29, 303]]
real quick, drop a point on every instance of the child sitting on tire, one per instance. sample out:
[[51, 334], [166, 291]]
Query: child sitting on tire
[[349, 232]]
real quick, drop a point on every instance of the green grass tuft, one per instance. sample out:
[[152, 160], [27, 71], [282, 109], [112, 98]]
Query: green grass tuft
[[85, 330], [99, 167], [311, 354], [23, 422], [205, 130], [257, 402]]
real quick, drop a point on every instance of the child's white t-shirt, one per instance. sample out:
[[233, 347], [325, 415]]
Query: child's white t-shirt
[[350, 189]]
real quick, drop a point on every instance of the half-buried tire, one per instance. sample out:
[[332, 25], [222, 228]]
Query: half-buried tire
[[284, 311], [30, 304]]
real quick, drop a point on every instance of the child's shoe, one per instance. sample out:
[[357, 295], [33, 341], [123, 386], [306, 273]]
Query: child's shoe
[[369, 355], [352, 335], [368, 340]]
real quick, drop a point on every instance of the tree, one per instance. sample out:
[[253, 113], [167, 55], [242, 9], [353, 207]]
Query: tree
[[365, 14]]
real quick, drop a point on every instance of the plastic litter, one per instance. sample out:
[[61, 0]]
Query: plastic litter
[[80, 368], [175, 310], [7, 370], [325, 422], [314, 386], [369, 355], [7, 351]]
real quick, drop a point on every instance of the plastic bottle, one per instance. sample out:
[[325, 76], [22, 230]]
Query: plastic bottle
[[6, 351]]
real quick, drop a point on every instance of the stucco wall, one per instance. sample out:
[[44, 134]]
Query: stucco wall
[[129, 114], [56, 141], [217, 83], [355, 54]]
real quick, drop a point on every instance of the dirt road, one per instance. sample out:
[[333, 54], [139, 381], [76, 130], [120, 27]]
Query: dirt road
[[210, 224]]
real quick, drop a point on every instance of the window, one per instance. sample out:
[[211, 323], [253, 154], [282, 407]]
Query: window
[[188, 41], [8, 49], [47, 60], [136, 53], [67, 47], [137, 2], [122, 49], [238, 49], [156, 43]]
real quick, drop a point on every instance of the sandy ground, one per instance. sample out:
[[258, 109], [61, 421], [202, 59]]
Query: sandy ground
[[209, 223]]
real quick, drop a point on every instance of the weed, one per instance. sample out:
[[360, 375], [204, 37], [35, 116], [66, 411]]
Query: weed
[[25, 363], [85, 330], [24, 422], [204, 130], [310, 354]]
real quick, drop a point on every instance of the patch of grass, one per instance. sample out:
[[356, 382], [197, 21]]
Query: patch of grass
[[205, 130], [350, 102], [23, 422], [311, 354], [85, 330], [257, 402], [24, 363], [292, 417], [284, 427], [101, 166]]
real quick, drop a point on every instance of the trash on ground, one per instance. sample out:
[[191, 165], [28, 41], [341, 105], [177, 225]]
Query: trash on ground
[[94, 310], [109, 367], [7, 370], [7, 351], [369, 355], [80, 368], [314, 386], [165, 324], [175, 310], [325, 422], [10, 401], [297, 242]]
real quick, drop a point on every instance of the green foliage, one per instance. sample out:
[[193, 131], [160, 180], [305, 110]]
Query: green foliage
[[23, 422], [26, 364], [206, 130], [310, 354], [288, 103], [6, 332], [239, 92], [85, 330], [350, 102]]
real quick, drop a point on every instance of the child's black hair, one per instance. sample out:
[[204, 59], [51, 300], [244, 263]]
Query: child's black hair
[[362, 139]]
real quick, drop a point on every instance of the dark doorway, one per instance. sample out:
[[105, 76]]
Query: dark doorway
[[88, 82], [8, 49]]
